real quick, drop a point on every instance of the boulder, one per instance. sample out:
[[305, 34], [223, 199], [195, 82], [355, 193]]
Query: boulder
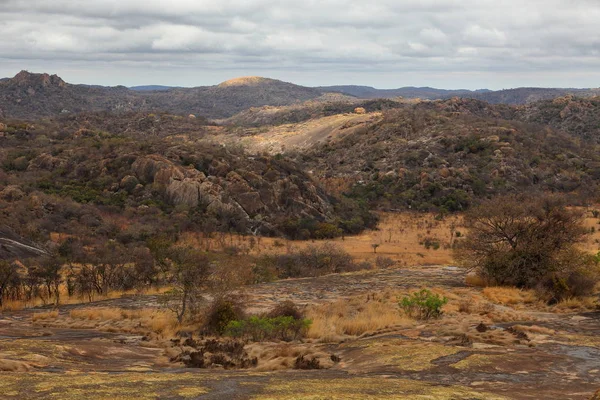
[[184, 192], [129, 183]]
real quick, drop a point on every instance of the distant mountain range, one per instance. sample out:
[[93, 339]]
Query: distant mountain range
[[30, 95], [150, 88], [368, 92], [506, 96]]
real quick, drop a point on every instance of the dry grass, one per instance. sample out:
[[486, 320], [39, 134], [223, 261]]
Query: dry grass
[[162, 323], [510, 296], [400, 236], [473, 279], [280, 356], [576, 304], [43, 316], [540, 330], [353, 317], [17, 305]]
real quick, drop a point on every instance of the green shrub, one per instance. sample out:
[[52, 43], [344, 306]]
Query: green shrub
[[423, 304], [259, 329], [429, 243]]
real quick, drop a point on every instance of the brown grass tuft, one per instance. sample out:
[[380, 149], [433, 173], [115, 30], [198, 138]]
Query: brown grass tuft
[[509, 295], [43, 316]]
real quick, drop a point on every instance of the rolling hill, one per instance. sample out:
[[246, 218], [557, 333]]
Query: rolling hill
[[30, 96]]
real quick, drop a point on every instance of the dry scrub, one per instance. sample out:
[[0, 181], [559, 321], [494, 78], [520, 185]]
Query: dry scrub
[[142, 321], [354, 317], [510, 296], [17, 305]]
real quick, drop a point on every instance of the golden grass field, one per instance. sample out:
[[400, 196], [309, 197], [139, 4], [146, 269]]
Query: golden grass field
[[400, 236]]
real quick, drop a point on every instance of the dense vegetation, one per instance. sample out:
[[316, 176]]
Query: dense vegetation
[[130, 176], [579, 117], [443, 156]]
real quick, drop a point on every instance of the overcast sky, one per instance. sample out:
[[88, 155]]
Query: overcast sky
[[383, 43]]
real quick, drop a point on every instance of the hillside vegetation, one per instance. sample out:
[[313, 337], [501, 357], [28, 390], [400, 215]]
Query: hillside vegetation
[[579, 117], [136, 175], [445, 155]]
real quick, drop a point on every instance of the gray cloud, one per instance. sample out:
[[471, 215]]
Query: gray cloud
[[387, 43]]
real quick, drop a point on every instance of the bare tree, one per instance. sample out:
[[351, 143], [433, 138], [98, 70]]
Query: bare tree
[[8, 275], [190, 270], [48, 271]]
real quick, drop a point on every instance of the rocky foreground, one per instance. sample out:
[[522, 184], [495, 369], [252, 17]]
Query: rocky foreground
[[489, 351]]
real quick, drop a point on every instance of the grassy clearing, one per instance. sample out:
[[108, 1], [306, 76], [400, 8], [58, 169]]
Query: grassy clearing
[[400, 236], [162, 323]]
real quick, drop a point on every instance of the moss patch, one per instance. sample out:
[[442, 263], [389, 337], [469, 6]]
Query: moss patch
[[403, 354], [97, 386], [366, 388]]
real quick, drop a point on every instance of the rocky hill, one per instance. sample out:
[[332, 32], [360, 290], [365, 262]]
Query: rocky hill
[[444, 155], [74, 174], [325, 106], [30, 96], [579, 117]]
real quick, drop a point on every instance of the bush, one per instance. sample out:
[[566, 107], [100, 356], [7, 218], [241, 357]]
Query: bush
[[384, 262], [430, 242], [310, 261], [260, 329], [221, 313], [423, 304], [529, 243], [306, 363], [286, 309], [575, 276]]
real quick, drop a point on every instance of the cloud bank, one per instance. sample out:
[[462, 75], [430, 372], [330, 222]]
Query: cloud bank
[[386, 43]]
